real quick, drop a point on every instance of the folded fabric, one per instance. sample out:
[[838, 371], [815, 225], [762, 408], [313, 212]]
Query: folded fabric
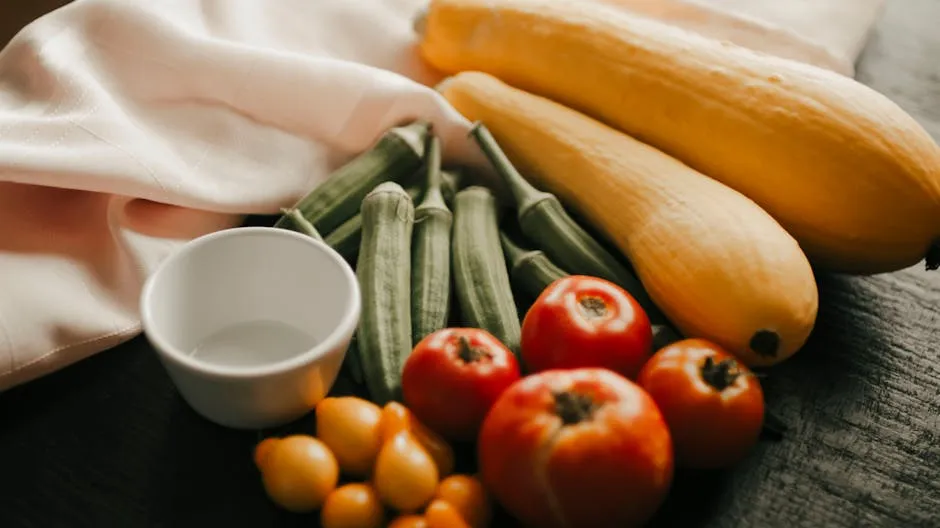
[[127, 129]]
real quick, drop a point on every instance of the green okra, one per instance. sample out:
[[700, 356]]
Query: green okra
[[345, 238], [430, 261], [481, 279], [394, 157], [530, 270], [544, 221], [383, 269]]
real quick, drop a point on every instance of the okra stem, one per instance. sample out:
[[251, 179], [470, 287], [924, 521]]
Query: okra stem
[[432, 190], [523, 193], [297, 222], [530, 269]]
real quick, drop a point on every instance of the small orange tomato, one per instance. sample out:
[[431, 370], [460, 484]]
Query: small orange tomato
[[350, 427], [262, 450], [468, 496], [298, 472], [442, 514], [713, 404], [354, 505], [405, 475], [409, 521], [397, 418]]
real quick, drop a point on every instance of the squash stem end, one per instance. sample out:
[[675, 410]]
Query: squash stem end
[[765, 343], [933, 256]]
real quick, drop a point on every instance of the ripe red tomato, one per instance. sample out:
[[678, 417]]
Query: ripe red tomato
[[713, 403], [577, 447], [453, 376], [581, 321]]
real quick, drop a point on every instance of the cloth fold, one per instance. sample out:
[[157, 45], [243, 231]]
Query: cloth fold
[[127, 129]]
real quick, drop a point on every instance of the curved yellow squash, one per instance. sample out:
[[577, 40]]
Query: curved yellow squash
[[715, 262], [852, 176]]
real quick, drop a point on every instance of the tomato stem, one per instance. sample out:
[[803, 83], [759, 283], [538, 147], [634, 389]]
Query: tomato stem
[[592, 307], [765, 343], [720, 375], [469, 353], [574, 408]]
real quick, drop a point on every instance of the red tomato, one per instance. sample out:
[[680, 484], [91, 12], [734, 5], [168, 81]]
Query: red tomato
[[713, 404], [453, 376], [579, 447], [581, 321]]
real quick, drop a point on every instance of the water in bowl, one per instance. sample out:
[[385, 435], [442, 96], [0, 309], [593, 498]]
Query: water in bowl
[[253, 344]]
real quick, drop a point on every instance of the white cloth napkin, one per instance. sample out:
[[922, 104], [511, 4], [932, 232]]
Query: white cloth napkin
[[129, 127]]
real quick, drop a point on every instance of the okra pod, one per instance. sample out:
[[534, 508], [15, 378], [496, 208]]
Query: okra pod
[[396, 156], [345, 238], [530, 270], [430, 271], [481, 278], [384, 273], [543, 219]]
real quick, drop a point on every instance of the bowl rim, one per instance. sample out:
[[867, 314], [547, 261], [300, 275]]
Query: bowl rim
[[340, 333]]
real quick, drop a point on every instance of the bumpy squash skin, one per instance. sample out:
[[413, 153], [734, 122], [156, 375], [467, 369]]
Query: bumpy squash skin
[[853, 177], [717, 264]]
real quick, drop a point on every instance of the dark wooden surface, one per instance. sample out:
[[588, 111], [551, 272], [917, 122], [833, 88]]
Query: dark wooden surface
[[109, 443]]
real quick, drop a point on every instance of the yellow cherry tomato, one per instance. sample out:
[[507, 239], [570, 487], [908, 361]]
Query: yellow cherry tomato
[[468, 496], [298, 472], [442, 514], [409, 521], [354, 505], [397, 418], [263, 449], [350, 427], [405, 475]]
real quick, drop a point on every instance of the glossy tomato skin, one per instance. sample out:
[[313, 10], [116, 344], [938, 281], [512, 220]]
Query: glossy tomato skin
[[712, 426], [611, 469], [452, 378], [581, 321]]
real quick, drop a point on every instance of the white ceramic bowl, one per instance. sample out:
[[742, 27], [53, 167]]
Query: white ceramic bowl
[[252, 323]]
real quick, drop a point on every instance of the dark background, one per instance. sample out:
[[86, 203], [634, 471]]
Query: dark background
[[108, 442]]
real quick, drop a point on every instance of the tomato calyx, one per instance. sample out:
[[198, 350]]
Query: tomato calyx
[[574, 408], [468, 353], [592, 307], [720, 375]]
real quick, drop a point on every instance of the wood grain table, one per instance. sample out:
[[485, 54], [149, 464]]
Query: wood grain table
[[109, 443]]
